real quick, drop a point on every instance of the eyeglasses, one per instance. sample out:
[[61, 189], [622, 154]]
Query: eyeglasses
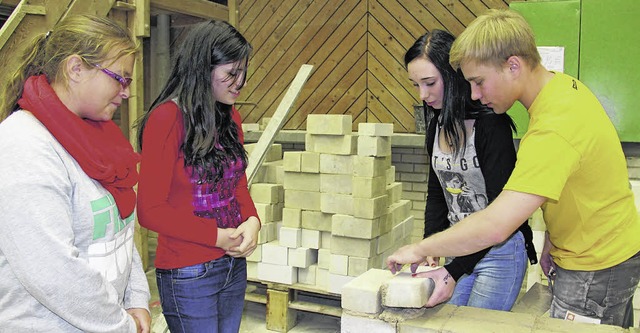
[[124, 81]]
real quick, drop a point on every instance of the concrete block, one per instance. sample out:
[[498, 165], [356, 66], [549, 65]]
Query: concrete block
[[552, 325], [375, 129], [331, 144], [394, 192], [370, 208], [386, 224], [302, 257], [301, 181], [333, 203], [322, 278], [406, 291], [308, 200], [336, 164], [350, 323], [398, 211], [267, 193], [252, 270], [292, 217], [290, 237], [250, 127], [353, 246], [267, 233], [264, 121], [358, 266], [337, 281], [310, 239], [270, 172], [277, 273], [350, 226], [256, 256], [274, 253], [369, 166], [274, 152], [362, 294], [329, 124], [385, 242], [316, 220], [374, 146], [339, 264], [310, 162], [324, 259], [369, 187], [265, 212], [325, 239], [335, 183], [308, 275], [292, 161], [391, 174]]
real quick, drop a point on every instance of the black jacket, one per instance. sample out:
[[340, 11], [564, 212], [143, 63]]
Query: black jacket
[[497, 158]]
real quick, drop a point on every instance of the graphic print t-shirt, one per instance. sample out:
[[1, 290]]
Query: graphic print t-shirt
[[461, 179]]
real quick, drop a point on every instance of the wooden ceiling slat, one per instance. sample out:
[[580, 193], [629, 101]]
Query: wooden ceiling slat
[[458, 11], [249, 15]]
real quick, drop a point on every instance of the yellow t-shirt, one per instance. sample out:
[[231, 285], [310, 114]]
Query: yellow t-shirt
[[571, 155]]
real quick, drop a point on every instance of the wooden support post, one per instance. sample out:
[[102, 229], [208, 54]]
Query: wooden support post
[[280, 317], [277, 121]]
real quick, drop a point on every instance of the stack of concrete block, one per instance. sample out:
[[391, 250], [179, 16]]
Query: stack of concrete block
[[366, 297], [267, 193]]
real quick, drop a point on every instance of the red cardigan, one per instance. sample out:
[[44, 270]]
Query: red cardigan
[[165, 194]]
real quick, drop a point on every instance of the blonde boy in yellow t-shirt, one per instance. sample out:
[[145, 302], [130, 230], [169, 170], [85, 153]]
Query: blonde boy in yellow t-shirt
[[570, 163]]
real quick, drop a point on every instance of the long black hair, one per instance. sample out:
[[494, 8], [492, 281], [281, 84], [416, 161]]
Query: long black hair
[[457, 104], [211, 136]]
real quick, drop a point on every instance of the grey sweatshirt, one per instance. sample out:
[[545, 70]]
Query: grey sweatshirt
[[67, 260]]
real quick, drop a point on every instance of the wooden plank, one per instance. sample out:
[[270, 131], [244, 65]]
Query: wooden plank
[[16, 17], [277, 120], [279, 317], [141, 25], [316, 308], [198, 8], [232, 7]]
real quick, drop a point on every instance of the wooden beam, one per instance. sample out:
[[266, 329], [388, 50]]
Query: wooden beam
[[276, 122], [16, 17], [198, 8], [142, 25], [233, 12], [127, 7]]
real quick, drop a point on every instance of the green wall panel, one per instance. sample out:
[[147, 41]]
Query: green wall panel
[[610, 60], [555, 23]]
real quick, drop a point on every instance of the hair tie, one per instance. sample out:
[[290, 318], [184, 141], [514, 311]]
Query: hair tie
[[47, 34]]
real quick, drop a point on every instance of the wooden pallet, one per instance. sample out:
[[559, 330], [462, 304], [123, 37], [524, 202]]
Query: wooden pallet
[[283, 301]]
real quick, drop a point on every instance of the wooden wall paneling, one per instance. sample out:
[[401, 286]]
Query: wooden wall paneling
[[498, 4], [345, 77], [459, 11], [341, 50], [287, 53], [315, 53], [388, 104], [389, 22], [265, 30], [354, 100], [424, 16], [402, 102], [250, 25], [474, 6], [445, 17]]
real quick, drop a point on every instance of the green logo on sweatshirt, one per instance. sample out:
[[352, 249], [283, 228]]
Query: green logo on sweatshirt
[[106, 212]]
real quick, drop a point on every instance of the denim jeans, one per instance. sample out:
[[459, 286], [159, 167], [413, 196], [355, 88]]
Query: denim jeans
[[207, 297], [605, 294], [496, 280]]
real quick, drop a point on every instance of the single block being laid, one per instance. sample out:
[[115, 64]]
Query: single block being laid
[[406, 291]]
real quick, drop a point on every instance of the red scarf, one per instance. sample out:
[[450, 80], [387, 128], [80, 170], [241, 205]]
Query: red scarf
[[100, 148]]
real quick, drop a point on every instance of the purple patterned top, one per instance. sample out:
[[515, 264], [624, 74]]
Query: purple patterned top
[[217, 200]]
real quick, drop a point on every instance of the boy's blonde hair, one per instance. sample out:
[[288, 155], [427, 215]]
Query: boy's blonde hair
[[93, 38], [494, 37]]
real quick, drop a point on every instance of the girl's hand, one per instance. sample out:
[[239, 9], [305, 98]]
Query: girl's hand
[[247, 232]]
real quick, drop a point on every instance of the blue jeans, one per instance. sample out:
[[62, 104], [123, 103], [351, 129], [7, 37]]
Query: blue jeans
[[605, 294], [207, 297], [496, 280]]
